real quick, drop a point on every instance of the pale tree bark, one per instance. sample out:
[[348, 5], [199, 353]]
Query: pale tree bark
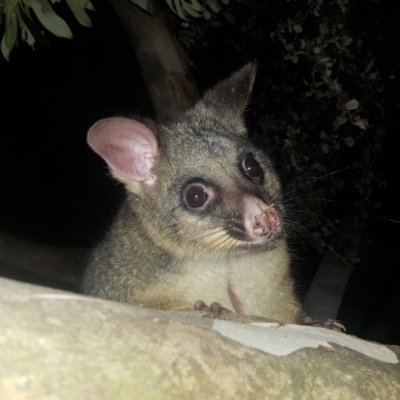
[[162, 60], [59, 345]]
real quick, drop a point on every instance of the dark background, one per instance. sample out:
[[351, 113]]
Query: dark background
[[54, 190]]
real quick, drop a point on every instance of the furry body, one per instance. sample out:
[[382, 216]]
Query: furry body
[[203, 218]]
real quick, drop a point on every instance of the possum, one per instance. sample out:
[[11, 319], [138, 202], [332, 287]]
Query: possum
[[203, 223]]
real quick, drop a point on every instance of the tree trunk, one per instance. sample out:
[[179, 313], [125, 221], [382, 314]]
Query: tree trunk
[[60, 345], [162, 60]]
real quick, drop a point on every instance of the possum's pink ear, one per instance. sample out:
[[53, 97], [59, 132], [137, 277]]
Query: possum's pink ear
[[128, 147]]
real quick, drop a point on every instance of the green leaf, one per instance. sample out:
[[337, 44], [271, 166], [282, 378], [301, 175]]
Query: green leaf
[[214, 6], [169, 3], [90, 7], [78, 9], [341, 120], [144, 5], [9, 5], [298, 28], [352, 104], [5, 51], [228, 16], [206, 14], [323, 29], [34, 30], [196, 6], [349, 141], [49, 19], [189, 9], [369, 66], [293, 161], [179, 10], [361, 124], [348, 41], [10, 36], [325, 148]]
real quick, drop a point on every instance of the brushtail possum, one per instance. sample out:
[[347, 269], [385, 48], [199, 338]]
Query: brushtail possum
[[203, 222]]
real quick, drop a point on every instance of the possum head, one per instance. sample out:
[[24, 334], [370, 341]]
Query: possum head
[[197, 182]]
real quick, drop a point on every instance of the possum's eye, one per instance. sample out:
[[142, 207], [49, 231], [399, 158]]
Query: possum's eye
[[195, 196], [252, 167]]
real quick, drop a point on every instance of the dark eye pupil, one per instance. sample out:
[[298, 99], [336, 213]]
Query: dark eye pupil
[[252, 167], [196, 196]]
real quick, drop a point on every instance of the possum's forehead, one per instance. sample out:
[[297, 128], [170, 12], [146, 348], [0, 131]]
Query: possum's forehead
[[204, 144], [209, 139]]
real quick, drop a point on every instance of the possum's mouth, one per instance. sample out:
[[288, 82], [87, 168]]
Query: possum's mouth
[[257, 222], [261, 221], [266, 222]]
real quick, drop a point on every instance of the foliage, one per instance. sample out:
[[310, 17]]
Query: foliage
[[326, 105], [185, 9], [17, 17], [335, 126]]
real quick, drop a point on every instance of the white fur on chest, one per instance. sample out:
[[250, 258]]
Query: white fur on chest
[[250, 279]]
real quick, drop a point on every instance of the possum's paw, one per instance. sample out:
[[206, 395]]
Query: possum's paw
[[328, 324], [215, 311]]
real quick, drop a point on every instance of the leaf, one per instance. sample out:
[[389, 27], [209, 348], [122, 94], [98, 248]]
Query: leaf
[[348, 41], [323, 29], [361, 124], [341, 120], [78, 9], [26, 34], [323, 135], [206, 14], [90, 7], [189, 9], [297, 28], [336, 86], [293, 161], [214, 6], [228, 16], [10, 36], [325, 148], [49, 19], [143, 4], [179, 10], [373, 75], [196, 6], [369, 66], [349, 141], [352, 104], [5, 51], [169, 3], [34, 29]]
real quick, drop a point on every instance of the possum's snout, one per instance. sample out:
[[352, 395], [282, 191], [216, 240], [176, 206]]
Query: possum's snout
[[259, 219]]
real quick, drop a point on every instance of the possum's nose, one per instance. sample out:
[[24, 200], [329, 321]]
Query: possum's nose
[[259, 218]]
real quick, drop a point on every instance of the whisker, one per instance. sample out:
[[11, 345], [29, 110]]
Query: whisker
[[317, 237], [315, 179]]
